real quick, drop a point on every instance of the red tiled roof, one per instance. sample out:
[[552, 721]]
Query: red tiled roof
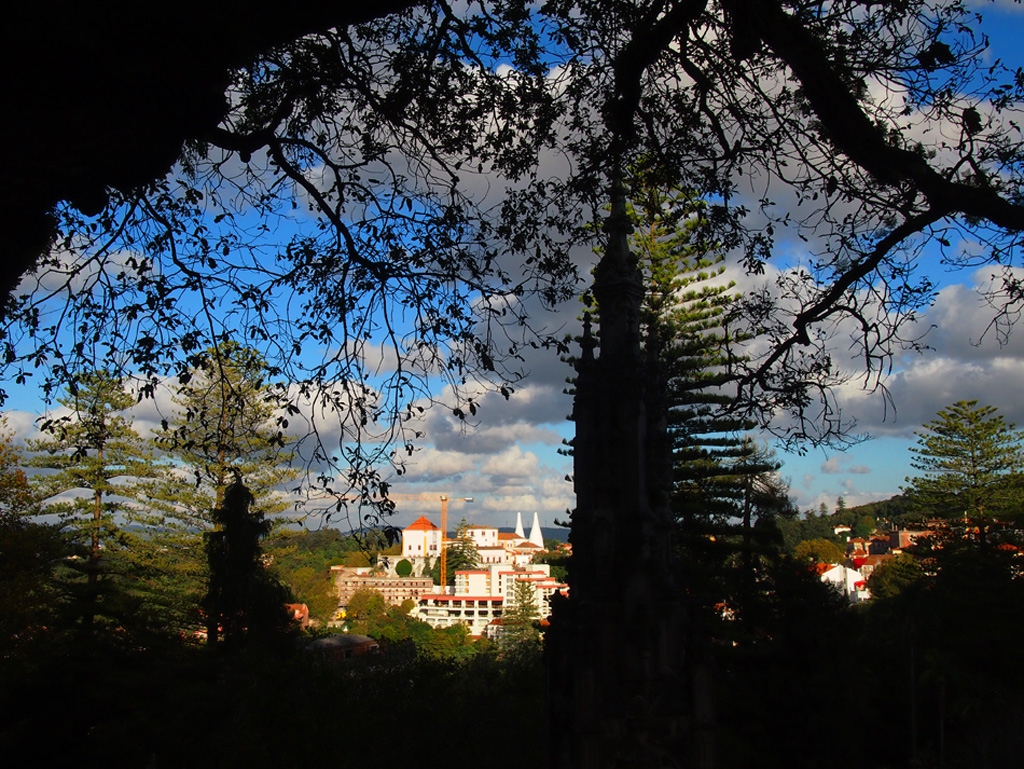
[[421, 524]]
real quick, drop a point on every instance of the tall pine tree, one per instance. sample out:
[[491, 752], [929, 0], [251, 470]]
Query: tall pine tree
[[970, 461], [727, 489], [223, 433], [96, 459]]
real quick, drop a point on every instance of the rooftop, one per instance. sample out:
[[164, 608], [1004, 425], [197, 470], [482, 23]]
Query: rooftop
[[421, 524]]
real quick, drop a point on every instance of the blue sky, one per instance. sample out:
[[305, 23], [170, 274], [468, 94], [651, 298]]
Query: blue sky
[[507, 457], [966, 362]]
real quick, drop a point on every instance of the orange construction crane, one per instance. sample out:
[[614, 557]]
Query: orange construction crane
[[445, 498]]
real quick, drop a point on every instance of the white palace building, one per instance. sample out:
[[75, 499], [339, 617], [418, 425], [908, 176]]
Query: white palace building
[[421, 540], [478, 596]]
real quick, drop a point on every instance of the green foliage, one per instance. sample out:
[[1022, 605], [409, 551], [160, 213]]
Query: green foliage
[[519, 641], [864, 527], [302, 560], [462, 555], [943, 638], [17, 501], [891, 577], [893, 511], [790, 633], [365, 605], [449, 643], [970, 460], [368, 614], [558, 560], [819, 551], [96, 461], [131, 708], [29, 554], [800, 529], [403, 568]]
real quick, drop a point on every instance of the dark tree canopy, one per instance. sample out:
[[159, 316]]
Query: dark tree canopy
[[385, 206], [106, 95]]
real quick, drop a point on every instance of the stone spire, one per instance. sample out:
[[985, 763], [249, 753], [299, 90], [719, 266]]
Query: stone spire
[[519, 526], [618, 689]]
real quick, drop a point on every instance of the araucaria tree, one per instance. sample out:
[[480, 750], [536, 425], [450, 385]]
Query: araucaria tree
[[95, 457], [971, 461], [462, 554], [226, 427], [519, 641], [724, 484], [225, 431]]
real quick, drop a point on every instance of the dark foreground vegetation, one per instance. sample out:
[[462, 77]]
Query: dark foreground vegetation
[[789, 675], [765, 112], [109, 706]]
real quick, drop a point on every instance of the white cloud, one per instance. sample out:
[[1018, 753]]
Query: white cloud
[[432, 466], [512, 463], [831, 465], [965, 361]]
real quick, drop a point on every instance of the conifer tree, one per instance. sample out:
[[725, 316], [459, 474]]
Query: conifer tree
[[520, 639], [970, 459], [222, 432], [97, 458], [223, 429], [720, 476], [462, 554], [727, 492]]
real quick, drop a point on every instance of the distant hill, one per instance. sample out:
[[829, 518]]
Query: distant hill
[[895, 509], [548, 532]]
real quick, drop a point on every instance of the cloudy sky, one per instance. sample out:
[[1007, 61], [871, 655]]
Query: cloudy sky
[[507, 457], [510, 461]]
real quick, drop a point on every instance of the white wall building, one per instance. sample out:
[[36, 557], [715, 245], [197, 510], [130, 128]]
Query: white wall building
[[479, 596], [483, 536], [421, 539], [850, 581], [441, 610]]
